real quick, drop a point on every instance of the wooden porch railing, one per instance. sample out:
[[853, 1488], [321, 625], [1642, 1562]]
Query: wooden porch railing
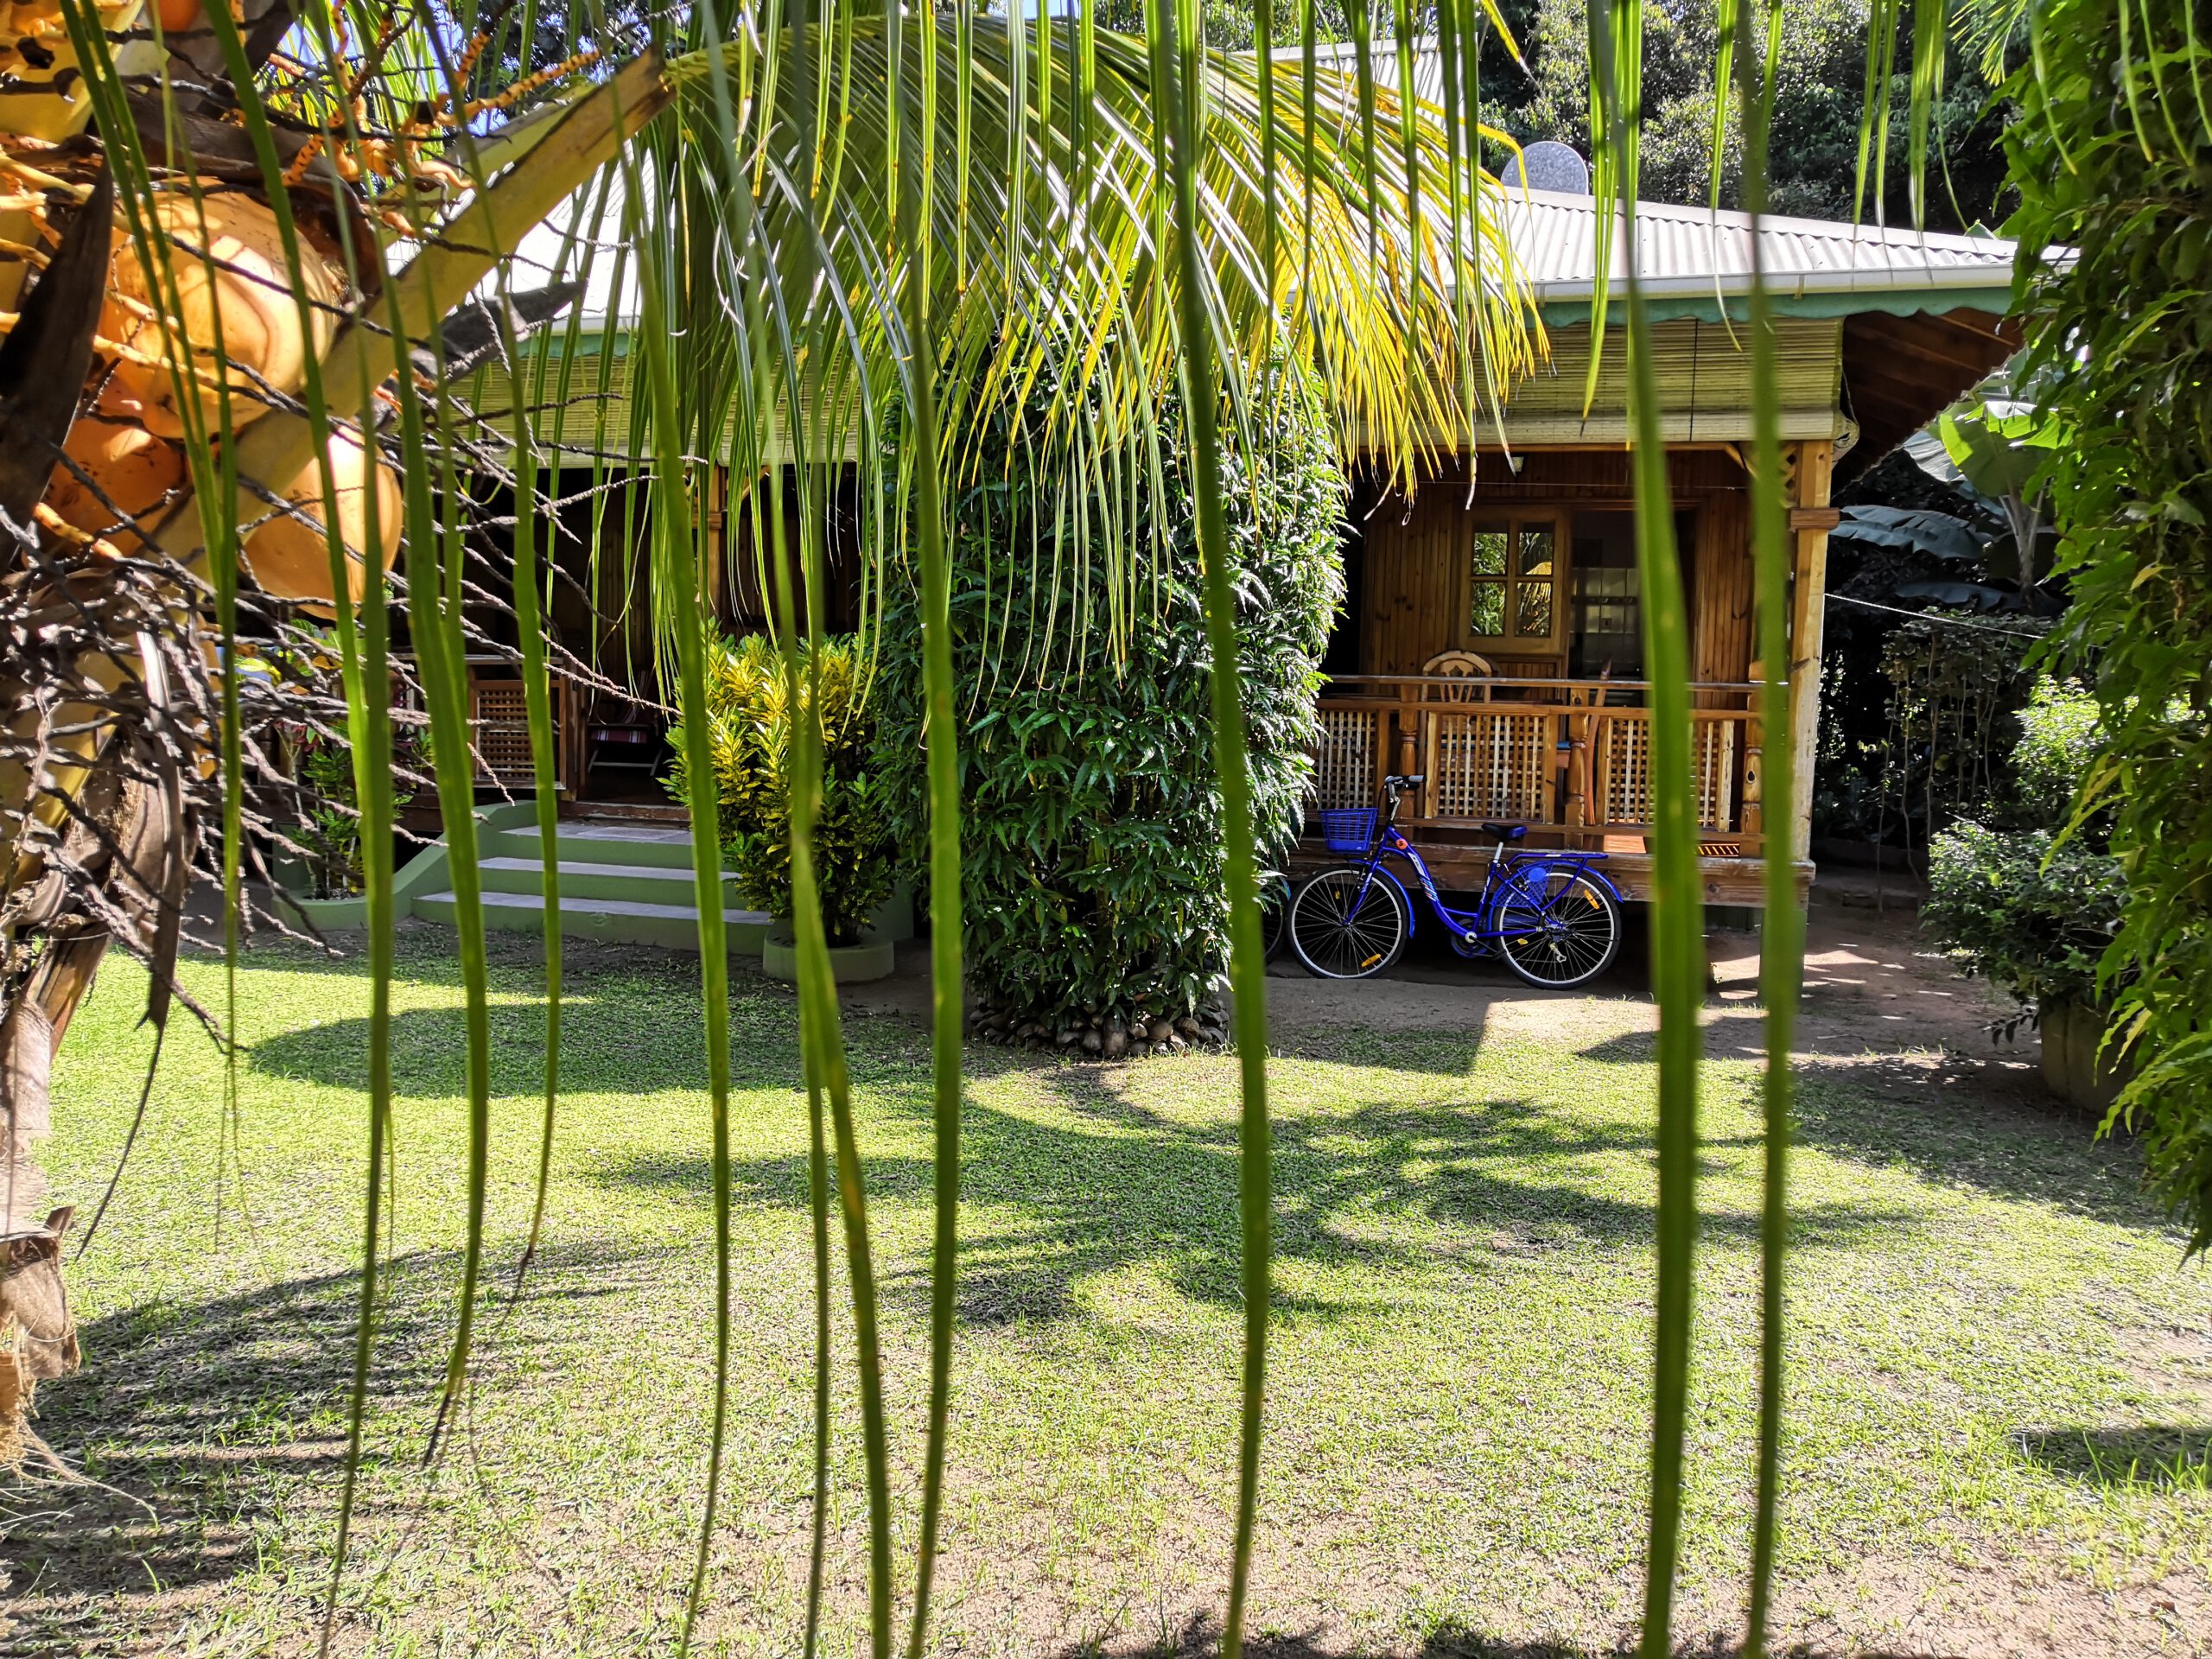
[[1553, 754]]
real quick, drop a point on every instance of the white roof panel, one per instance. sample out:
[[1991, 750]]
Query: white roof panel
[[1691, 250]]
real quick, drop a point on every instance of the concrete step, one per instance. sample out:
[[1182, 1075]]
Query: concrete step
[[598, 841], [652, 884], [611, 921]]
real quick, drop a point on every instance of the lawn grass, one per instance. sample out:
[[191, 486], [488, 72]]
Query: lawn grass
[[1993, 1339]]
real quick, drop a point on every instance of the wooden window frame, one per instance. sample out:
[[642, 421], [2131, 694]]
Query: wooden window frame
[[1560, 521]]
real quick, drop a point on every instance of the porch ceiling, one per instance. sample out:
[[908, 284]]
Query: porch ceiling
[[1899, 372]]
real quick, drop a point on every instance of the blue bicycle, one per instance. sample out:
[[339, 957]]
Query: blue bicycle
[[1554, 916]]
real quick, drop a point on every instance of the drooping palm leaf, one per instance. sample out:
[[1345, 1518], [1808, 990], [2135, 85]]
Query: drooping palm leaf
[[1105, 204]]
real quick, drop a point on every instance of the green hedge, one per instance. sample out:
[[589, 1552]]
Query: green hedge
[[1091, 837]]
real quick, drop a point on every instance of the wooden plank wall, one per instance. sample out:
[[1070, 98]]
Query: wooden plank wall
[[1412, 601], [1721, 623], [1411, 581]]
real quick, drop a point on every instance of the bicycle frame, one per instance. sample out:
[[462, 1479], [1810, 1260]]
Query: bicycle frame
[[1505, 873]]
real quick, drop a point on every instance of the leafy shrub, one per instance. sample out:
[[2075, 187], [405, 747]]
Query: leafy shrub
[[329, 830], [1091, 837], [328, 827], [2060, 739], [2023, 909], [2017, 902], [750, 738]]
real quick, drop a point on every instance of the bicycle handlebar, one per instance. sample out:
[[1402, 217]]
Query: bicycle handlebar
[[1391, 786]]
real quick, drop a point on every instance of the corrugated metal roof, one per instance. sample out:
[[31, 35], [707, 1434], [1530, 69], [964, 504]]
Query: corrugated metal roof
[[1691, 254], [1696, 250]]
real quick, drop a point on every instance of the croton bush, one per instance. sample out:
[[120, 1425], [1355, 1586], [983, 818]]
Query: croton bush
[[751, 731], [1092, 832]]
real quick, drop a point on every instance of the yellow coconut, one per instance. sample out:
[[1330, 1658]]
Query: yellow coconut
[[134, 469], [248, 286], [290, 559]]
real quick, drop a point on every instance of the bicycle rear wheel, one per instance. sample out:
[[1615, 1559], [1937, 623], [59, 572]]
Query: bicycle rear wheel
[[1349, 924], [1561, 928]]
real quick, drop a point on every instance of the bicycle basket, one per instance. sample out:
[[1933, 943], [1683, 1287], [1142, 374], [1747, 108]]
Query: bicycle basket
[[1347, 828]]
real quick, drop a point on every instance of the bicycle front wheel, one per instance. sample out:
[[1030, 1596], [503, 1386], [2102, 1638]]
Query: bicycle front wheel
[[1274, 911], [1349, 924], [1559, 928]]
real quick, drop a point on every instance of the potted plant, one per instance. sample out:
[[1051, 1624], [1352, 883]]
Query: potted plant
[[2033, 908], [753, 724]]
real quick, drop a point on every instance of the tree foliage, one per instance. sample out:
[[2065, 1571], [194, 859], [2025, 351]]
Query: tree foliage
[[1092, 833], [1820, 101], [2112, 152]]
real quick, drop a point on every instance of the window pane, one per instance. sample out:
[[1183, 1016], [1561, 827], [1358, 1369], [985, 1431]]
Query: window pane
[[1533, 616], [1536, 550], [1490, 554], [1489, 620]]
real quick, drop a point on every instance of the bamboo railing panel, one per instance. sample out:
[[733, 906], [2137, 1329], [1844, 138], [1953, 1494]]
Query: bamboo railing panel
[[1547, 753]]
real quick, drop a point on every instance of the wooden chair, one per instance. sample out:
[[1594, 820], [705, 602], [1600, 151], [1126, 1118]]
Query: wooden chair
[[1459, 665], [1595, 695]]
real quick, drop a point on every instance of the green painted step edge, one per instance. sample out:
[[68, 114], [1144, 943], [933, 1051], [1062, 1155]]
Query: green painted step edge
[[646, 883], [586, 921], [419, 874], [577, 844]]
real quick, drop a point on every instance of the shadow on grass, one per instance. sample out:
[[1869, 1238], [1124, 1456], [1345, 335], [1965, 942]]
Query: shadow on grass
[[2150, 1457], [1107, 1184], [223, 1415], [1934, 1118], [1201, 1639]]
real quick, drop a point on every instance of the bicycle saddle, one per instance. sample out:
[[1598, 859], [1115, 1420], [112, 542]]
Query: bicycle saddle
[[1505, 831], [1413, 782]]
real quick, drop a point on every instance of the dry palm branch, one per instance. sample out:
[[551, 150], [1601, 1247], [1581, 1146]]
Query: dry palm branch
[[147, 336]]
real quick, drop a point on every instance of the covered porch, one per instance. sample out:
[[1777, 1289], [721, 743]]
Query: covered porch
[[1569, 759], [1493, 645]]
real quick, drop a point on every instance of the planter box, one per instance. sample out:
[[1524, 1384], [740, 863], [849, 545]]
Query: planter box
[[324, 914], [2072, 1068], [893, 921], [852, 964]]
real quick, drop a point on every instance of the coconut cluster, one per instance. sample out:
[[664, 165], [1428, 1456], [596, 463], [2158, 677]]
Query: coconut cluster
[[209, 325]]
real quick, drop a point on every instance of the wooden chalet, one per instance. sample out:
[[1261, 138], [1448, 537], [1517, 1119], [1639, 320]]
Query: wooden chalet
[[1493, 639]]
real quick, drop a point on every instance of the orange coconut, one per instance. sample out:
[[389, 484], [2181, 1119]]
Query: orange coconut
[[133, 469], [289, 558], [248, 287]]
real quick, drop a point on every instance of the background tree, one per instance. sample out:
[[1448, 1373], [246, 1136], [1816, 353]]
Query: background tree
[[1820, 98]]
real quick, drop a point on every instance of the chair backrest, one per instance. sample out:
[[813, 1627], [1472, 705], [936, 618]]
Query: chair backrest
[[1459, 665]]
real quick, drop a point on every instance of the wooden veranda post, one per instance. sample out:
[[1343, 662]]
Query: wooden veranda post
[[1810, 521], [1753, 807]]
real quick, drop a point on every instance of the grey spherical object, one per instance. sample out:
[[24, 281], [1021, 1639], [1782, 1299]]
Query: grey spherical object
[[1549, 165]]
